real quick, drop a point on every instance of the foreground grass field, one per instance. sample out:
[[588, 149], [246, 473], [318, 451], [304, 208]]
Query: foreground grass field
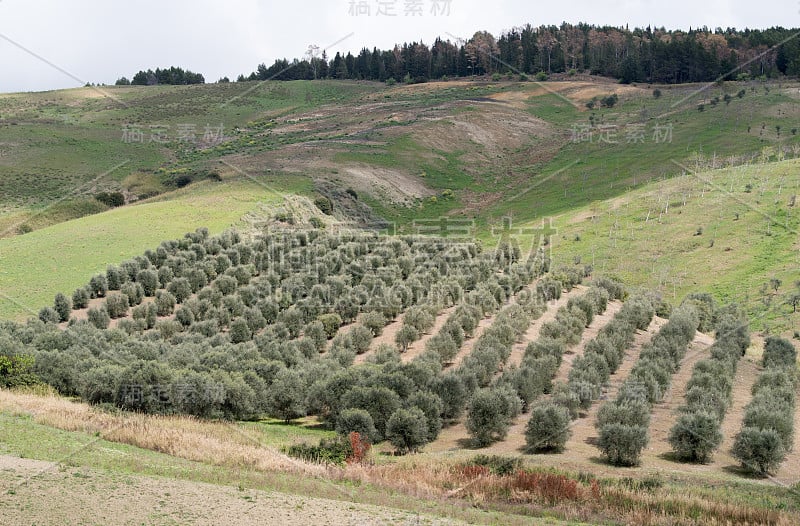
[[115, 452]]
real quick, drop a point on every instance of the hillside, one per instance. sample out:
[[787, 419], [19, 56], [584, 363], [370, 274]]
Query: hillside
[[242, 323], [469, 150]]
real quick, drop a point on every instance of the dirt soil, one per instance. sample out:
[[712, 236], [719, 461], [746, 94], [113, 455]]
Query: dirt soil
[[36, 492]]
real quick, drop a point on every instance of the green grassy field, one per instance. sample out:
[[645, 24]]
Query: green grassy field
[[63, 257], [55, 144], [727, 232]]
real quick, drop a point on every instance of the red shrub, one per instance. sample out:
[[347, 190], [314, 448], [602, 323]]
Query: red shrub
[[550, 486], [360, 446]]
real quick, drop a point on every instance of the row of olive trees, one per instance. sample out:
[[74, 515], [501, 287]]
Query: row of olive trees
[[492, 408], [767, 430], [548, 427], [623, 423], [698, 431]]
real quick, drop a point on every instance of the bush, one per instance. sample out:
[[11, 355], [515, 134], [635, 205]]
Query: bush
[[240, 331], [98, 286], [356, 420], [498, 465], [49, 315], [63, 307], [111, 199], [548, 428], [99, 317], [759, 450], [164, 303], [329, 451], [622, 444], [149, 281], [695, 436], [80, 298], [407, 430], [779, 352]]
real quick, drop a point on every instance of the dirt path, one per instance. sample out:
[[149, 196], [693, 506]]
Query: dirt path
[[789, 473], [456, 437], [387, 336], [418, 347], [584, 434], [746, 375], [532, 334], [485, 323], [666, 412], [36, 492], [515, 440], [589, 333]]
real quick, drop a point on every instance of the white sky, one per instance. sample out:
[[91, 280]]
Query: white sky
[[99, 41]]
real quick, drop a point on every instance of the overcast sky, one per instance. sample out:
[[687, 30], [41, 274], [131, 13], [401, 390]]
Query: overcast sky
[[99, 41]]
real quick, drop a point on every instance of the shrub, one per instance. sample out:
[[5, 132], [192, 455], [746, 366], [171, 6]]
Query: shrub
[[164, 303], [99, 317], [98, 286], [149, 280], [80, 298], [356, 420], [759, 450], [622, 444], [117, 305], [779, 352], [695, 436], [407, 430], [329, 451], [548, 428], [49, 315]]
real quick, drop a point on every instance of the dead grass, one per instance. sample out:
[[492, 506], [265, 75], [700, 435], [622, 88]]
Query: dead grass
[[218, 443]]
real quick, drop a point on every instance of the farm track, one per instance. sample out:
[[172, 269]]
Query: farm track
[[418, 347], [789, 471], [487, 322], [456, 436], [665, 413], [747, 373], [515, 440], [584, 434], [532, 334], [387, 336]]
